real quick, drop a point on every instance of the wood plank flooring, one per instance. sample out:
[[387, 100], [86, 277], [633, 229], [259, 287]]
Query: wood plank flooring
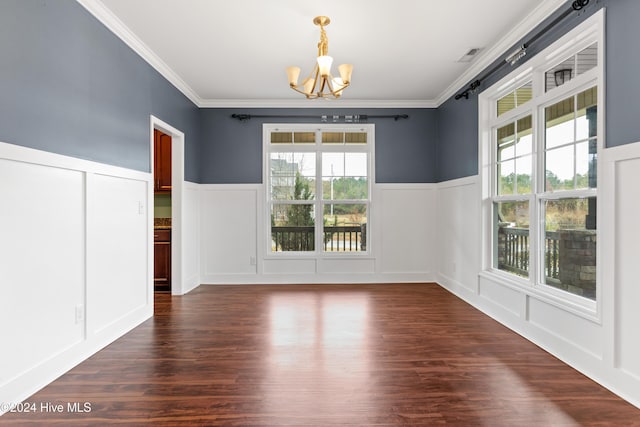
[[325, 355]]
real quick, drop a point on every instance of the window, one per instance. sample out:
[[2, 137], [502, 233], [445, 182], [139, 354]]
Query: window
[[319, 188], [539, 152]]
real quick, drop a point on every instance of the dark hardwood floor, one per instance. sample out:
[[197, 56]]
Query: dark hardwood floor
[[325, 355]]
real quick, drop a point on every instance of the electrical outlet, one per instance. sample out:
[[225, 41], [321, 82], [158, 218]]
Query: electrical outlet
[[79, 314], [140, 208], [252, 260], [453, 267]]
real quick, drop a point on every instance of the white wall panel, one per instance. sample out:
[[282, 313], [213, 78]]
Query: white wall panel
[[349, 266], [504, 297], [575, 331], [458, 227], [191, 236], [406, 225], [74, 263], [228, 230], [41, 263], [117, 251], [627, 266], [288, 266]]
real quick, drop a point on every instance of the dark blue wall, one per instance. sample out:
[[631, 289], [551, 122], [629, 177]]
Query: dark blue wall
[[457, 154], [70, 86], [622, 69], [231, 151]]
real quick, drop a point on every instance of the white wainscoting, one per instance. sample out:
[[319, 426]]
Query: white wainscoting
[[405, 227], [190, 236], [604, 346], [621, 316], [228, 233], [234, 247], [75, 270], [627, 266], [458, 236]]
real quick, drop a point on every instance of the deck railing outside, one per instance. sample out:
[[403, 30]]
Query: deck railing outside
[[344, 238], [513, 251]]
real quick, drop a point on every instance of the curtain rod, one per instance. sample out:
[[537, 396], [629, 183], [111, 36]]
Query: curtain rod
[[577, 5], [325, 118]]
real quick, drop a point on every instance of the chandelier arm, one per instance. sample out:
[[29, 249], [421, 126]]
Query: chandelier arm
[[298, 90], [329, 80], [324, 81], [316, 69], [339, 91]]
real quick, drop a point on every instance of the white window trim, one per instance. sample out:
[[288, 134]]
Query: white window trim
[[585, 34], [318, 147]]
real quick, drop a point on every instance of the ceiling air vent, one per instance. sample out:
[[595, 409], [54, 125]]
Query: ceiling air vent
[[471, 53]]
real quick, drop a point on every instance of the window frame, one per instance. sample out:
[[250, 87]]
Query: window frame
[[584, 35], [318, 148]]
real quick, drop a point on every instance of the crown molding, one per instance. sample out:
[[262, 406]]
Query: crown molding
[[315, 103], [520, 30], [116, 26]]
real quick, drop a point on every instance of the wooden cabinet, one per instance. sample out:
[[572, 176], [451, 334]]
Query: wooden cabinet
[[162, 259], [161, 162]]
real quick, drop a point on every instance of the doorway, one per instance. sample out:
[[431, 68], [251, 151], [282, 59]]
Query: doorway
[[161, 211], [172, 210]]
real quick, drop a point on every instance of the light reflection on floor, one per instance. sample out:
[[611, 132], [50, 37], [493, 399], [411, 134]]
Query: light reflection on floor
[[318, 347]]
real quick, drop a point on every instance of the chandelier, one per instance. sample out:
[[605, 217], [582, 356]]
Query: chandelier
[[320, 83]]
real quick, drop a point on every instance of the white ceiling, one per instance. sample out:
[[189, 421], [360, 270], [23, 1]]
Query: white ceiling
[[234, 53]]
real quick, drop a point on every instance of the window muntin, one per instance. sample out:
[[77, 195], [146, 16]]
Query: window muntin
[[329, 176]]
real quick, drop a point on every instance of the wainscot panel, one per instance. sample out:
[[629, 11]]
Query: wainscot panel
[[502, 297], [228, 230], [75, 267], [352, 265], [289, 266], [405, 224], [458, 239], [116, 281], [191, 236], [574, 330], [41, 264], [626, 268]]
